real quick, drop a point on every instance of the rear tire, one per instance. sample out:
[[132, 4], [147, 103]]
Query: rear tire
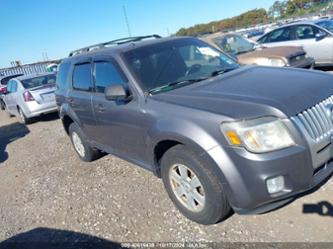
[[2, 105], [82, 148], [8, 113], [199, 195], [23, 118]]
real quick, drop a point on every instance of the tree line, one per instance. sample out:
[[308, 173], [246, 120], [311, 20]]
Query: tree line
[[279, 10]]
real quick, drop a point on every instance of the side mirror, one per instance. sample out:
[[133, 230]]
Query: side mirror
[[117, 93], [320, 36]]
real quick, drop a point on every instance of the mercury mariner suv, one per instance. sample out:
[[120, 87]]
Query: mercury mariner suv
[[222, 137]]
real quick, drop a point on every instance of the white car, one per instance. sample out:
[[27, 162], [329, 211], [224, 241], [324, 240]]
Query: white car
[[31, 95], [316, 37]]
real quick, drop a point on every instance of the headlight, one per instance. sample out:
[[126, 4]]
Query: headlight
[[271, 62], [258, 135]]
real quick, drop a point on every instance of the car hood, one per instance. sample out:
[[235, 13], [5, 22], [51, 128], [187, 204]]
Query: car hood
[[253, 91], [286, 52]]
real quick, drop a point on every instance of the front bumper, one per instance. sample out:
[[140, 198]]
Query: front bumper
[[308, 62], [246, 175]]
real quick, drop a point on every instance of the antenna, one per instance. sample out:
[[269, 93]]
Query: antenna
[[126, 19]]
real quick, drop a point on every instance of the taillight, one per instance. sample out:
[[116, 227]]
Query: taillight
[[28, 97], [3, 89]]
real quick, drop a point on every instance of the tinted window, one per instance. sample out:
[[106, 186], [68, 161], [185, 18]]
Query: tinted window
[[82, 77], [280, 35], [39, 81], [176, 60], [263, 39], [305, 32], [106, 74], [63, 75], [328, 24]]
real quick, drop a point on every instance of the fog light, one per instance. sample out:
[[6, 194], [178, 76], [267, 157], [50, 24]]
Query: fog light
[[275, 185]]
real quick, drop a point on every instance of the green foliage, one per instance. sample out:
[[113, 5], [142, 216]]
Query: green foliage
[[246, 19], [280, 9]]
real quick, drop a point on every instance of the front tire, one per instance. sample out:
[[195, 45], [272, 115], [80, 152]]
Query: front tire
[[193, 186], [82, 148]]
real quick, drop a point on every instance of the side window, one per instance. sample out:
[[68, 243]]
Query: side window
[[82, 77], [305, 32], [62, 75], [107, 74], [14, 87], [9, 86], [264, 39], [280, 35]]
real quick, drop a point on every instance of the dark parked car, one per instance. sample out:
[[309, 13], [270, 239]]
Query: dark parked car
[[3, 87], [220, 136]]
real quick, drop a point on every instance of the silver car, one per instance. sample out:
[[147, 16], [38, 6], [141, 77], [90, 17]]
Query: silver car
[[316, 37], [29, 96]]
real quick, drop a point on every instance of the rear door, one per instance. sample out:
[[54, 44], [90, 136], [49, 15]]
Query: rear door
[[79, 97], [119, 123]]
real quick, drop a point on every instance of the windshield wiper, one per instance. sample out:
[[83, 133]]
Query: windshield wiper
[[176, 83], [222, 71]]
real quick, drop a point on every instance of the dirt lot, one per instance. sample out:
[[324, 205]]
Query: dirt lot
[[44, 185]]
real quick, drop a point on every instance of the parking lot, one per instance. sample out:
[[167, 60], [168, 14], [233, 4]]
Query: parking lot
[[45, 185]]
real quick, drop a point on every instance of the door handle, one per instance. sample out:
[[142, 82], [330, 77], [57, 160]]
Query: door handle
[[100, 108], [71, 102]]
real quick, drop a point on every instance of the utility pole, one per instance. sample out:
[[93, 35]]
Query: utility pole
[[126, 20]]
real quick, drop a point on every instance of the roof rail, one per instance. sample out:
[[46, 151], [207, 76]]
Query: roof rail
[[112, 43]]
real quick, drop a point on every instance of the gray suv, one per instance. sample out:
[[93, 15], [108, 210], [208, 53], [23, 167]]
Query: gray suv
[[222, 137]]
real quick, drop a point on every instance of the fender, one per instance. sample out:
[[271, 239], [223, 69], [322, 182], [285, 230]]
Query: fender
[[179, 130], [66, 110], [192, 135]]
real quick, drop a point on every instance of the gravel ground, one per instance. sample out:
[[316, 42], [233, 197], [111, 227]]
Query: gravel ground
[[44, 185]]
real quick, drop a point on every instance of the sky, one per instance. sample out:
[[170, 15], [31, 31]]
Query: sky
[[31, 28]]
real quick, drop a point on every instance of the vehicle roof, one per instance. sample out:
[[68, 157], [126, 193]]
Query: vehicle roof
[[116, 49], [12, 75], [313, 22], [34, 75]]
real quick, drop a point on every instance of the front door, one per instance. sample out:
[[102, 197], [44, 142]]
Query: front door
[[120, 124]]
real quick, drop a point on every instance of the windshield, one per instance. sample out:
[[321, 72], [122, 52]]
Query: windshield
[[328, 24], [39, 81], [183, 60], [234, 44]]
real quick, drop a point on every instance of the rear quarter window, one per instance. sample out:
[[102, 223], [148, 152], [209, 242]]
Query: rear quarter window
[[62, 75]]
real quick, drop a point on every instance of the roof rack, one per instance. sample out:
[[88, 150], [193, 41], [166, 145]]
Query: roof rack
[[112, 43]]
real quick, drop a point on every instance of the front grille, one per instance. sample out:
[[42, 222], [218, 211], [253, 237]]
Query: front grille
[[316, 125], [316, 120]]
